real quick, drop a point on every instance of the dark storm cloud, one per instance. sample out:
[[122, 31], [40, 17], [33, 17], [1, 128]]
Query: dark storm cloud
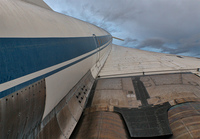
[[170, 26], [183, 46], [153, 42], [190, 45]]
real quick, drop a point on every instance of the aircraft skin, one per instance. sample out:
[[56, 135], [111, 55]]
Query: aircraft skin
[[51, 64], [40, 36], [37, 43]]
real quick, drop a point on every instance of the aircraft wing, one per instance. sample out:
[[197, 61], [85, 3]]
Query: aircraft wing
[[143, 94], [124, 61]]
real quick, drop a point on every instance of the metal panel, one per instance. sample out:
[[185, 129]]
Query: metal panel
[[127, 85], [184, 120], [101, 125], [115, 92], [110, 97], [75, 108], [67, 112], [51, 131], [146, 121], [168, 87], [66, 121], [171, 79], [21, 111], [109, 84], [98, 108], [157, 94]]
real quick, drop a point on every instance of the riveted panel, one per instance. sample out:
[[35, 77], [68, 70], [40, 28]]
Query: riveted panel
[[51, 131], [67, 112], [184, 120], [101, 125], [75, 108], [21, 111], [66, 121]]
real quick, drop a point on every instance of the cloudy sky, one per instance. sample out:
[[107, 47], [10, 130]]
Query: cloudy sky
[[168, 26]]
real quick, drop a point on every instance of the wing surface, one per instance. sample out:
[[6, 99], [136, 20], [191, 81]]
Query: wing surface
[[156, 95], [126, 61]]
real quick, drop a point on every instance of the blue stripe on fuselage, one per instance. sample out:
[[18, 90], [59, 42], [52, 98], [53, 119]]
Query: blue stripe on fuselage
[[22, 56]]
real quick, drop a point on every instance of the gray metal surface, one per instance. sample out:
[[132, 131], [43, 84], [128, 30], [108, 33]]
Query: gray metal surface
[[21, 111], [184, 120], [51, 131], [66, 121], [143, 101], [146, 121], [61, 121], [75, 108], [100, 125]]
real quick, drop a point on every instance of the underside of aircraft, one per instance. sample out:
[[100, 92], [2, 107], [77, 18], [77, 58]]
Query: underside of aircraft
[[61, 77]]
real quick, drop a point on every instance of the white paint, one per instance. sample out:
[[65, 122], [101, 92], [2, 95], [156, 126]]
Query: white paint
[[60, 83], [22, 19]]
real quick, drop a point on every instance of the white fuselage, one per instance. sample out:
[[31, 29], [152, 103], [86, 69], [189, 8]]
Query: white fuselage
[[31, 23]]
